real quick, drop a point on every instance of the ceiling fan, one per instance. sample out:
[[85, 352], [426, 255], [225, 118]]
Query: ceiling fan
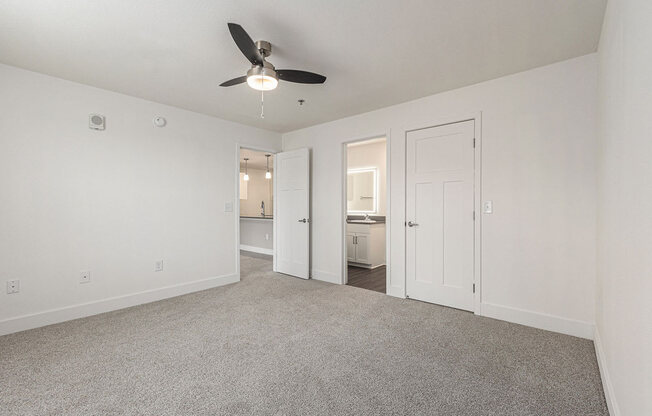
[[263, 76]]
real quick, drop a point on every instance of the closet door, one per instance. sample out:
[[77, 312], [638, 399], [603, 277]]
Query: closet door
[[439, 209]]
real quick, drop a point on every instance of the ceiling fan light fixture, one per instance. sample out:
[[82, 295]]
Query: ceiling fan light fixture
[[262, 79]]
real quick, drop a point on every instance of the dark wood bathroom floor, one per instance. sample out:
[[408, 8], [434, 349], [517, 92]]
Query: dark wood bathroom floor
[[368, 279]]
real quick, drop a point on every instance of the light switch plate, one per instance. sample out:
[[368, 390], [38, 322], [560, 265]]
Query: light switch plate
[[488, 207], [228, 207], [158, 266]]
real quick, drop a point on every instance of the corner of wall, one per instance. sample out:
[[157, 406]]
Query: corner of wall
[[614, 410]]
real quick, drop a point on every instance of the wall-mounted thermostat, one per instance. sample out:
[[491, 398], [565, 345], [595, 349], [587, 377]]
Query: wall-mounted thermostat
[[96, 122], [159, 121]]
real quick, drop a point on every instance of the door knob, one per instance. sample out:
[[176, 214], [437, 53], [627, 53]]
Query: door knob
[[304, 220], [412, 224]]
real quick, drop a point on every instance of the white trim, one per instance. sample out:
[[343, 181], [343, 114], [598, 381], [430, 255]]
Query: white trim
[[366, 265], [539, 320], [366, 142], [609, 396], [344, 279], [477, 233], [236, 209], [53, 316], [259, 250], [326, 276], [388, 208], [395, 291]]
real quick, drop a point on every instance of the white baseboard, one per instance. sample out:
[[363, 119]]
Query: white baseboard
[[364, 266], [396, 291], [258, 250], [614, 410], [53, 316], [538, 320], [326, 276]]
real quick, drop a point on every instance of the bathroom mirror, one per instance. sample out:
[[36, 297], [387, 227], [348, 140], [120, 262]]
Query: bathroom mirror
[[361, 195]]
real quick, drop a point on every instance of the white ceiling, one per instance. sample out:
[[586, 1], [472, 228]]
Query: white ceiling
[[375, 53]]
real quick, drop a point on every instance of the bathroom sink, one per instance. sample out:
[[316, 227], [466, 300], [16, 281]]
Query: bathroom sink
[[362, 221]]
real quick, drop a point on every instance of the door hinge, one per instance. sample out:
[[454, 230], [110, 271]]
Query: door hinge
[[474, 142], [473, 215], [473, 287]]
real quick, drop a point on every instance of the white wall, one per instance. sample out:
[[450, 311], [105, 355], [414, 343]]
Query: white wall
[[112, 201], [257, 235], [624, 308], [371, 155], [538, 166]]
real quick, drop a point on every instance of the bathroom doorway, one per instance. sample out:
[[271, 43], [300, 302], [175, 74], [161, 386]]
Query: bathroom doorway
[[366, 214]]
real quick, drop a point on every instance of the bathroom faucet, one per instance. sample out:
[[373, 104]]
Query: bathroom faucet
[[262, 208]]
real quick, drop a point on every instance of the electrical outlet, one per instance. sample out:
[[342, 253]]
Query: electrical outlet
[[84, 276], [13, 286], [158, 266]]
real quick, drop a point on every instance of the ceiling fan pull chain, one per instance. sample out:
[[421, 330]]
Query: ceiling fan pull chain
[[262, 104]]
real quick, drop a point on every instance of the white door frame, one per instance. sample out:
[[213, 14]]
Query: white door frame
[[477, 196], [344, 211], [236, 205]]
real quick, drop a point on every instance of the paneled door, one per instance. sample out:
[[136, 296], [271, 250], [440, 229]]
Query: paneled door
[[440, 218], [292, 170]]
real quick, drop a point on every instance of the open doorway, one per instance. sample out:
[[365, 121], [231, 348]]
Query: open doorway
[[256, 204], [365, 214]]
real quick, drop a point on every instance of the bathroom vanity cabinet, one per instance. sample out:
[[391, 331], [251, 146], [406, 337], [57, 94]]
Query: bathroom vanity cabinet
[[365, 244]]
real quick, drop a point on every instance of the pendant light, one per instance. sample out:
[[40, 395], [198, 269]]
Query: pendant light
[[268, 174], [246, 175]]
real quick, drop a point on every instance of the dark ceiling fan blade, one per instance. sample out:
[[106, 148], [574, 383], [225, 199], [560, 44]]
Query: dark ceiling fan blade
[[302, 77], [246, 45], [234, 81]]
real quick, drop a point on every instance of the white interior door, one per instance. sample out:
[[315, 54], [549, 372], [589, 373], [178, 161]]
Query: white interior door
[[440, 203], [292, 201]]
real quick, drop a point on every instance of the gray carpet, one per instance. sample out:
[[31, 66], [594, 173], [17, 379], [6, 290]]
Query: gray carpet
[[277, 345]]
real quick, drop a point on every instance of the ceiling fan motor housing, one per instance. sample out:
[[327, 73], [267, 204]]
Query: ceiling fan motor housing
[[264, 47], [266, 69]]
